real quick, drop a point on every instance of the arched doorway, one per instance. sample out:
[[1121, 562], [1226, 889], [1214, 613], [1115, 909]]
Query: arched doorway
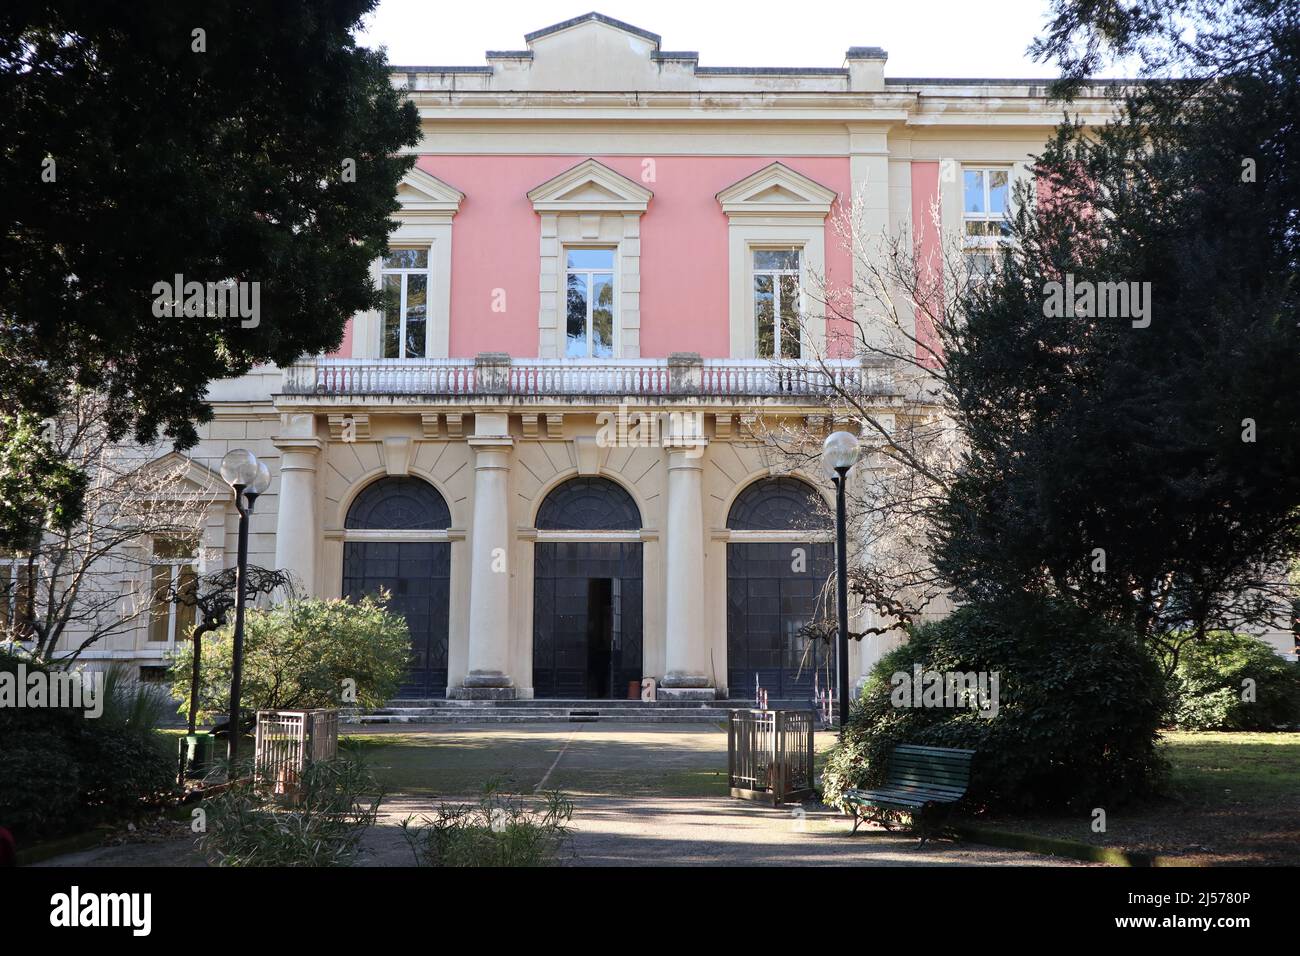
[[773, 589], [587, 595], [416, 573]]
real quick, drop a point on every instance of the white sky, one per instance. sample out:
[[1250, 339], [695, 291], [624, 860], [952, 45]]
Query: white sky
[[962, 38]]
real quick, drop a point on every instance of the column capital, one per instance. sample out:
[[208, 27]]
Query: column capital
[[689, 458], [491, 454], [309, 446]]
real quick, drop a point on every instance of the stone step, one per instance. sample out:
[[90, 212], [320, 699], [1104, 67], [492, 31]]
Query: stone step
[[401, 708], [417, 710], [541, 715], [401, 702], [533, 717]]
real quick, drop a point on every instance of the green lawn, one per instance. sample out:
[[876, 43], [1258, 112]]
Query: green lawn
[[1245, 769], [457, 761], [642, 760], [1234, 798]]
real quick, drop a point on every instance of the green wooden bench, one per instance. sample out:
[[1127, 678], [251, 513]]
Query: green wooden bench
[[923, 782]]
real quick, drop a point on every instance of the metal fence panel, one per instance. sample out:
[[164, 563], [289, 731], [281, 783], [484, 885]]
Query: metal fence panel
[[770, 754], [287, 740]]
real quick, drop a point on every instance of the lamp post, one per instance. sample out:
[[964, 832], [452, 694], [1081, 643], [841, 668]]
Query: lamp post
[[249, 478], [839, 453]]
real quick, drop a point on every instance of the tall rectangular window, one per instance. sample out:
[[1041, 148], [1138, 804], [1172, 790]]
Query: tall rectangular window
[[172, 567], [777, 306], [589, 307], [986, 224], [405, 283], [17, 595]]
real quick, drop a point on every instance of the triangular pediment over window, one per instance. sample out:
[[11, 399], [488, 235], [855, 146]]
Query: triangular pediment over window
[[777, 190], [590, 187], [423, 193], [175, 475]]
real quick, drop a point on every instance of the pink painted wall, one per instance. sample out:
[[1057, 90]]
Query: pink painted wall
[[927, 245], [684, 266], [345, 349]]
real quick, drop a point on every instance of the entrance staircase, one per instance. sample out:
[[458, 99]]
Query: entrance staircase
[[441, 711]]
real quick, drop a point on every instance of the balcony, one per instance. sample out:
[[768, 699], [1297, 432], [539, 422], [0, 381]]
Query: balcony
[[497, 376]]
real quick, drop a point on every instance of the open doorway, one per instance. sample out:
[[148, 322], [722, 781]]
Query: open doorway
[[586, 620], [600, 636]]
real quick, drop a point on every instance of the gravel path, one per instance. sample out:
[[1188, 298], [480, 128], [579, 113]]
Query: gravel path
[[718, 831]]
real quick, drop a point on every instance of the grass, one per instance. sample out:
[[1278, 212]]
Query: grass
[[441, 764], [1234, 798], [1247, 769], [460, 761], [662, 761]]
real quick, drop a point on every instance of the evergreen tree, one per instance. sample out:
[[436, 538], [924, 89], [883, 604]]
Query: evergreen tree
[[223, 141], [1145, 464]]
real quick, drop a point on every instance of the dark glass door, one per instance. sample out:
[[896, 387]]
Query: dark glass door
[[586, 619], [418, 575], [772, 592]]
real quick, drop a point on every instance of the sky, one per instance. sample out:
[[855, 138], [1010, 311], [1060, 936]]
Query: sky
[[963, 38]]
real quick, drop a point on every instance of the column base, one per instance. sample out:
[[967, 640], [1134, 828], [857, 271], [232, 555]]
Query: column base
[[484, 685], [686, 693], [481, 693], [684, 679], [488, 679]]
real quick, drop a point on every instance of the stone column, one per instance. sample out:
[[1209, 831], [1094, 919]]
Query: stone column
[[297, 523], [687, 674], [489, 588]]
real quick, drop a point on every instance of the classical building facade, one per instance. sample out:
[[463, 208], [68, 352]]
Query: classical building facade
[[597, 226]]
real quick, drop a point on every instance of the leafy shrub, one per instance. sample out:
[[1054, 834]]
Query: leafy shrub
[[61, 771], [337, 800], [298, 654], [1207, 685], [39, 782], [1079, 706], [502, 829]]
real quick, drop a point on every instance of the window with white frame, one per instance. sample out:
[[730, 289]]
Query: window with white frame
[[778, 304], [986, 223], [172, 566], [17, 595], [404, 278], [589, 302]]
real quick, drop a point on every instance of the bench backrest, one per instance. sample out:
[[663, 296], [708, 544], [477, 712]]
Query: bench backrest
[[942, 769]]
